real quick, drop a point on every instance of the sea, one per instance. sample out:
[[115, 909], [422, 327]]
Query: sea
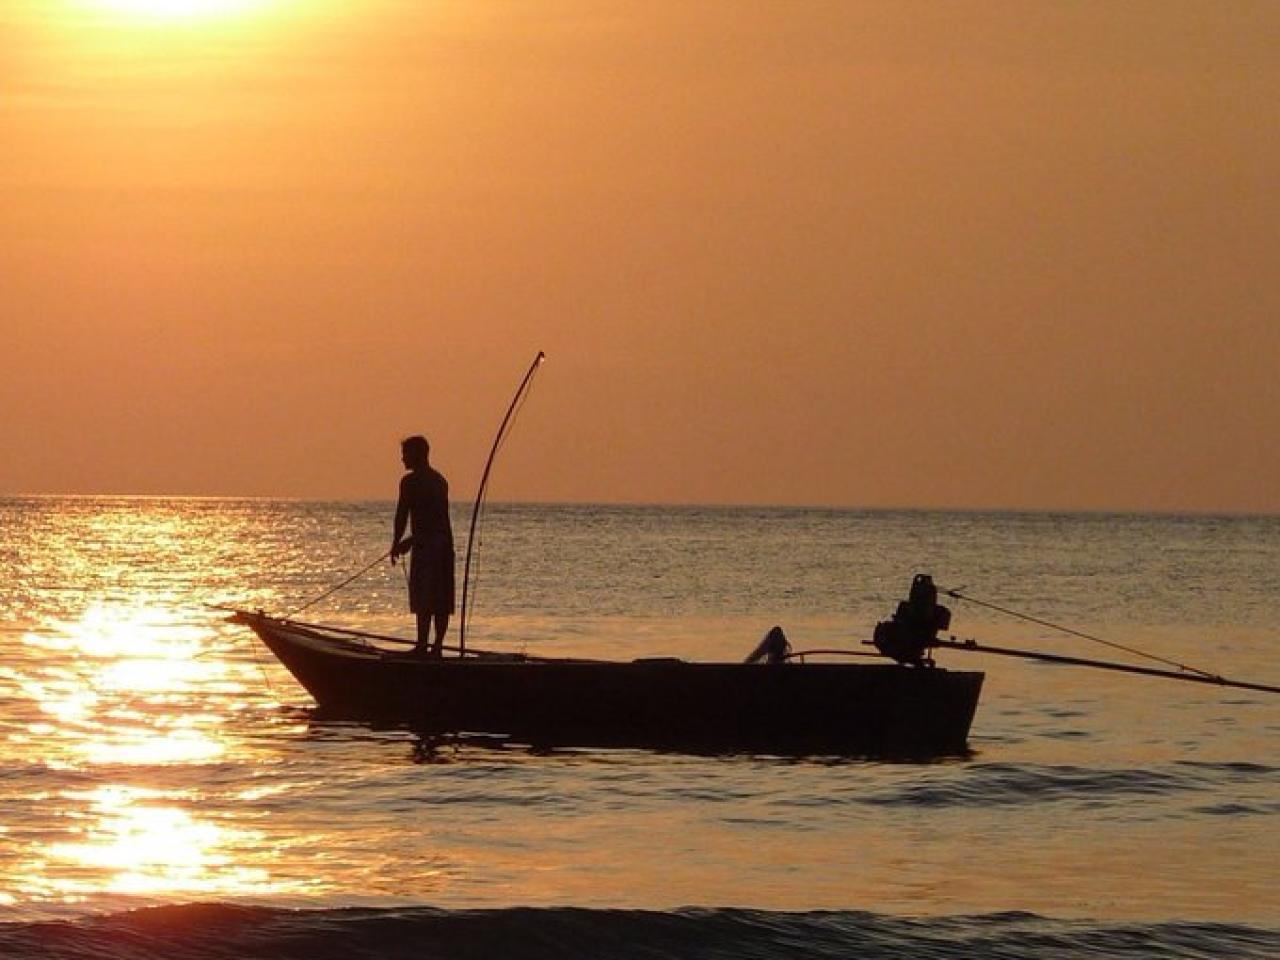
[[166, 792]]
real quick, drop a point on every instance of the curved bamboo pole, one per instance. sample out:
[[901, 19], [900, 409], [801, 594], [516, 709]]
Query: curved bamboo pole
[[484, 483]]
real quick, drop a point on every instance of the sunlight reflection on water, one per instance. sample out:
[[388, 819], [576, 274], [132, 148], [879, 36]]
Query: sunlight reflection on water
[[115, 681], [120, 693], [141, 841], [150, 751]]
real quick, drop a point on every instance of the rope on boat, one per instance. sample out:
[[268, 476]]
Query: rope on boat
[[334, 589], [1084, 636], [253, 648], [834, 652]]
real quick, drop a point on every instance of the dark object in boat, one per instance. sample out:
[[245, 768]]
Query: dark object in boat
[[774, 648], [882, 710], [915, 625]]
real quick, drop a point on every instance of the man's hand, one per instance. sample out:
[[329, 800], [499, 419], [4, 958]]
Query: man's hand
[[400, 549]]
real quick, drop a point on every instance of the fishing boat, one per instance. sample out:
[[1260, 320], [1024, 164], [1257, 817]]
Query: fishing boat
[[776, 702]]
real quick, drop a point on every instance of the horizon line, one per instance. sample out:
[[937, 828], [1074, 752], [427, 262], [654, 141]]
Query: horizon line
[[682, 505]]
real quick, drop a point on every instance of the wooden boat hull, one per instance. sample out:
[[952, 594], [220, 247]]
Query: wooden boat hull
[[884, 710]]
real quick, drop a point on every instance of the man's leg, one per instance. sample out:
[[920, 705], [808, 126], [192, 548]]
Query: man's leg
[[442, 627], [424, 634]]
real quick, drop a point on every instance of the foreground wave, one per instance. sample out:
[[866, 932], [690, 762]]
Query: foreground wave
[[216, 931]]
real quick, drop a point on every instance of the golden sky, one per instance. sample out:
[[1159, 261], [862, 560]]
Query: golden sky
[[972, 254]]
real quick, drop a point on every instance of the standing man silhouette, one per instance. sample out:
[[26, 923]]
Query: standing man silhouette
[[424, 507]]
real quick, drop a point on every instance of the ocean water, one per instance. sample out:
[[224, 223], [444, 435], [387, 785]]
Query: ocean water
[[165, 792]]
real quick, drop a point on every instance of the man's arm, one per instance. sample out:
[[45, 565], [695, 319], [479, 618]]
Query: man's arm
[[399, 546]]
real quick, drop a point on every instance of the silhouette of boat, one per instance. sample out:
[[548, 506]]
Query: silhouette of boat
[[779, 704]]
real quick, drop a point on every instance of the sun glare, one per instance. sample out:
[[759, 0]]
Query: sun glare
[[135, 840], [128, 699], [178, 9]]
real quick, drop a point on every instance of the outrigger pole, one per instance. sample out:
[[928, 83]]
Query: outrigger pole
[[975, 647], [1182, 671], [484, 483]]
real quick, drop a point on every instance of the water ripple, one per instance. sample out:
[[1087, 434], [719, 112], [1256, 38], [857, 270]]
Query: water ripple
[[1008, 784]]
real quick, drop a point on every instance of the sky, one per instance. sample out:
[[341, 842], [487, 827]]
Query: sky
[[955, 255]]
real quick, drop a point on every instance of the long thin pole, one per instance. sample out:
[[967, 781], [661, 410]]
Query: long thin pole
[[1076, 633], [1197, 677], [484, 483], [334, 589]]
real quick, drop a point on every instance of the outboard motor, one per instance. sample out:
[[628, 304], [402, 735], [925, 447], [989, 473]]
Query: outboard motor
[[915, 625]]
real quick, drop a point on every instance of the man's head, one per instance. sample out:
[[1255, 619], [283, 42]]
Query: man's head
[[415, 452]]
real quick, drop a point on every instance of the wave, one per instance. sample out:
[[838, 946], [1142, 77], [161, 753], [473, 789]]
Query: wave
[[1012, 784], [234, 932]]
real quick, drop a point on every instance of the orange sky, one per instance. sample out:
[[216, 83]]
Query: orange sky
[[991, 254]]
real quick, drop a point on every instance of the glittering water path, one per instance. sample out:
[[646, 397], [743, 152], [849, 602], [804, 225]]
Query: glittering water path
[[151, 754]]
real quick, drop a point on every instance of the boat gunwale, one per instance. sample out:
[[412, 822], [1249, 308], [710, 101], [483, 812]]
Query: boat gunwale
[[474, 656]]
